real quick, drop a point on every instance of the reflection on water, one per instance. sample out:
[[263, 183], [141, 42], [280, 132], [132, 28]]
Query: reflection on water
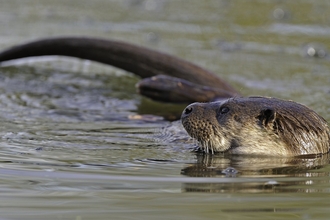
[[280, 171], [73, 143]]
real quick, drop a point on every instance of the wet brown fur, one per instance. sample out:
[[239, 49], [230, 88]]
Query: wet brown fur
[[257, 125]]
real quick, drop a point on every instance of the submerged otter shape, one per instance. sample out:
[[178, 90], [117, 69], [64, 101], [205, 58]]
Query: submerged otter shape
[[257, 125]]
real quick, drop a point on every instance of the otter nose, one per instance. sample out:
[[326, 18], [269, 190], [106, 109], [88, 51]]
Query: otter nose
[[187, 111]]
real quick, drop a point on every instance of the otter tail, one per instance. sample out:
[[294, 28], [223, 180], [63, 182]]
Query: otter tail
[[138, 60]]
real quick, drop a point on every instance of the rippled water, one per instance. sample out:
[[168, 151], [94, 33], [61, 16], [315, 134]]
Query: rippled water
[[73, 147]]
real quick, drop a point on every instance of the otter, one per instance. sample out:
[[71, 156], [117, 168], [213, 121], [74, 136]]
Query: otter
[[257, 126], [262, 126]]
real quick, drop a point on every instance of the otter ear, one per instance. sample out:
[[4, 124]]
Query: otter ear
[[267, 116]]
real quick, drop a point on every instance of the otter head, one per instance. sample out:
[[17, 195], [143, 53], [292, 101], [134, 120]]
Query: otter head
[[256, 125]]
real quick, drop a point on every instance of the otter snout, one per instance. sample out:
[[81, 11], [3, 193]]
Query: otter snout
[[192, 115], [192, 119], [200, 122]]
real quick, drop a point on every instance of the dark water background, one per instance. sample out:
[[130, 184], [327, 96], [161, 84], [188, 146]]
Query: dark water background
[[68, 149]]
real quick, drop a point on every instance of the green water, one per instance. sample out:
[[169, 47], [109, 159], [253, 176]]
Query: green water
[[69, 150]]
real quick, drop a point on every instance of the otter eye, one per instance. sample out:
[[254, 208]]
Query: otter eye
[[224, 110]]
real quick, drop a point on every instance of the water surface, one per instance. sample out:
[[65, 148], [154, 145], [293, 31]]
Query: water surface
[[72, 147]]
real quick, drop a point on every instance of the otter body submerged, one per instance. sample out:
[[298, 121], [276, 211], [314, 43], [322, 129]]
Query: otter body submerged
[[257, 125]]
